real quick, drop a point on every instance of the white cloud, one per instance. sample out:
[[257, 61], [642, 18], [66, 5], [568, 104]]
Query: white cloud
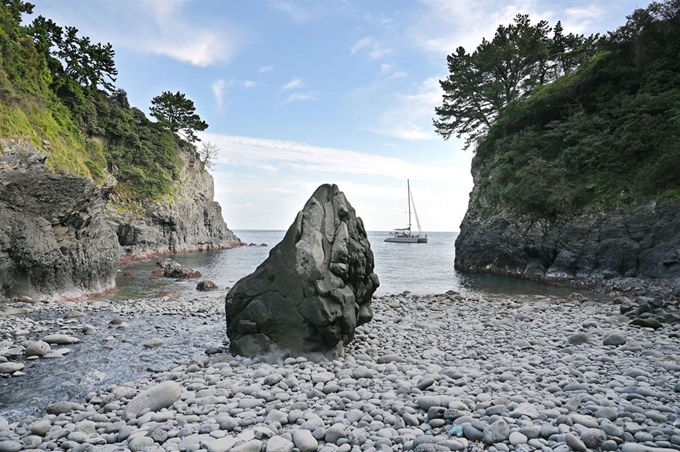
[[200, 48], [580, 20], [293, 84], [410, 118], [276, 155], [219, 88], [369, 45], [293, 9], [162, 7], [155, 27], [264, 69], [249, 84], [302, 11], [298, 96], [449, 24], [277, 177]]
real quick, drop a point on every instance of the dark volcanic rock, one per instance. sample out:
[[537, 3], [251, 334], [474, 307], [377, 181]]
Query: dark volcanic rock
[[313, 289], [206, 286], [172, 269], [633, 250], [54, 237]]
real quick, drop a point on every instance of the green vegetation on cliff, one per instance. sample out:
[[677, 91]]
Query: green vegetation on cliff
[[604, 134], [57, 92]]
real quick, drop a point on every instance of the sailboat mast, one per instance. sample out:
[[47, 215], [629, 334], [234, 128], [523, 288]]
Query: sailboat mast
[[408, 185]]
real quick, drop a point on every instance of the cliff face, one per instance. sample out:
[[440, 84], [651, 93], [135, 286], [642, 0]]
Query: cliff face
[[193, 222], [55, 241], [633, 250], [59, 238]]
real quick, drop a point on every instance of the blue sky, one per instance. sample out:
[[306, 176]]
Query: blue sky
[[300, 93]]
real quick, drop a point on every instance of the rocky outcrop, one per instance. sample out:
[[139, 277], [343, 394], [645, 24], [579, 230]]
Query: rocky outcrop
[[55, 241], [313, 290], [173, 269], [192, 222], [649, 312], [633, 250]]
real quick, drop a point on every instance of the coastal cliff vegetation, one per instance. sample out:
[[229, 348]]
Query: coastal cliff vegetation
[[567, 123], [57, 92]]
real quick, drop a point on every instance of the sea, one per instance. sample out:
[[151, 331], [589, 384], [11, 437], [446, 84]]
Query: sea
[[419, 268]]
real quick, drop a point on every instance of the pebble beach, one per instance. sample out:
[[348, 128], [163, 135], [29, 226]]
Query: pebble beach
[[429, 373]]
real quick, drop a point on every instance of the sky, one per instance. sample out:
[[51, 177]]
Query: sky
[[298, 93]]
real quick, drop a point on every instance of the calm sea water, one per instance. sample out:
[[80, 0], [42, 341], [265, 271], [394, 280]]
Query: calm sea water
[[417, 268]]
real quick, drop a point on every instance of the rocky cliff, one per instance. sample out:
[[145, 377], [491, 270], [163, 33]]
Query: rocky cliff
[[62, 236], [191, 222], [55, 241], [634, 250]]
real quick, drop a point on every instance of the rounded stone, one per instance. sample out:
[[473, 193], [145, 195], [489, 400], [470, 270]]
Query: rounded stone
[[10, 446], [580, 338], [60, 339], [609, 445], [575, 443], [10, 367], [593, 437], [517, 438], [40, 428], [162, 395], [37, 348], [279, 444], [334, 433], [305, 441], [614, 338], [497, 432]]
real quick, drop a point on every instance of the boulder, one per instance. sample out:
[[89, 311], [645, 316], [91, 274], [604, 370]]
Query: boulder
[[206, 286], [313, 290], [173, 269]]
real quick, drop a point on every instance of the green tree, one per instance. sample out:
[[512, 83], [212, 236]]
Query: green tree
[[17, 8], [90, 65], [521, 57], [177, 113]]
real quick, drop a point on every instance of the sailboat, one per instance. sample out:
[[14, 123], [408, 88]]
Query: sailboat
[[405, 235]]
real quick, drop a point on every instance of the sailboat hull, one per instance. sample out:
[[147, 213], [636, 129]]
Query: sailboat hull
[[406, 239], [402, 239]]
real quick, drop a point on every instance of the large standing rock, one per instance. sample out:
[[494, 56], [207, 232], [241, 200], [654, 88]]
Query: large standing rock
[[313, 289]]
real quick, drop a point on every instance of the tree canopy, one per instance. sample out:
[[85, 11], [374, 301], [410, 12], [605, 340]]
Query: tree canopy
[[521, 57], [604, 134], [17, 8], [90, 65], [177, 113]]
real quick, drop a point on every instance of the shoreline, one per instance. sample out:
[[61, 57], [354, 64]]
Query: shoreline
[[127, 259], [436, 372], [629, 287]]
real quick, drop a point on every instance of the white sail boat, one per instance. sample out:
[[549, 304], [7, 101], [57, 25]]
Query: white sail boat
[[405, 235]]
